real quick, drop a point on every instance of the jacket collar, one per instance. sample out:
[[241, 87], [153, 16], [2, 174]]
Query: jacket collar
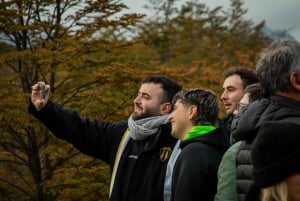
[[217, 138]]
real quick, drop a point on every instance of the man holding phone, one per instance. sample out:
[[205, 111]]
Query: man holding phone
[[137, 150]]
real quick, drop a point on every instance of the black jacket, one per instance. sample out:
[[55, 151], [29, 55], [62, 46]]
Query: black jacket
[[245, 127], [226, 123], [142, 165], [195, 171]]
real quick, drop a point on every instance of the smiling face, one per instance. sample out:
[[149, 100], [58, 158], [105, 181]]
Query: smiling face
[[148, 102], [180, 119], [233, 92]]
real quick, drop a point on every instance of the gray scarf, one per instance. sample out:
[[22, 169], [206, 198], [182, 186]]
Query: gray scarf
[[143, 128]]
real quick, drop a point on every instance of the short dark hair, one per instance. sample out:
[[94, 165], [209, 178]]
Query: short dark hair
[[276, 64], [248, 76], [206, 102], [169, 86], [254, 91]]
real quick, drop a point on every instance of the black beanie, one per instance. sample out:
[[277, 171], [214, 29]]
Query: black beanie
[[276, 152]]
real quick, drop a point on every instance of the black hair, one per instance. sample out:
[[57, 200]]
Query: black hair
[[248, 76], [206, 102], [169, 86]]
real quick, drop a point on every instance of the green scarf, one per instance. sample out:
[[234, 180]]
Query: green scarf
[[198, 131]]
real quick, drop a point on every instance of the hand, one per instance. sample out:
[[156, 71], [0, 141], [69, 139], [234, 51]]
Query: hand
[[36, 98]]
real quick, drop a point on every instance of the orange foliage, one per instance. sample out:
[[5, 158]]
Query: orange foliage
[[96, 70]]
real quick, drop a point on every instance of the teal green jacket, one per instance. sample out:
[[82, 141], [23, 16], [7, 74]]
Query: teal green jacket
[[226, 190]]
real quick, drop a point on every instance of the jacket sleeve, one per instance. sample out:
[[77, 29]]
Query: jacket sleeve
[[226, 190], [90, 136]]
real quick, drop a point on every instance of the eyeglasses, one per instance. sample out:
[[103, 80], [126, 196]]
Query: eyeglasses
[[240, 105]]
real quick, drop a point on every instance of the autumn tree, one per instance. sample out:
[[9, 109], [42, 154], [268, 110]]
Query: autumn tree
[[195, 31], [82, 50], [73, 46], [204, 40]]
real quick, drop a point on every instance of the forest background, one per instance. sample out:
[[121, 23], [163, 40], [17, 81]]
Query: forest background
[[94, 58]]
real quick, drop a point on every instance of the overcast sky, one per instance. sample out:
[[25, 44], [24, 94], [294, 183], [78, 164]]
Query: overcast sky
[[278, 14]]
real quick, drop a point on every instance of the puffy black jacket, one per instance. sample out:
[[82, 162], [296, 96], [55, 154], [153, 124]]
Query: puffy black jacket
[[245, 127], [142, 163]]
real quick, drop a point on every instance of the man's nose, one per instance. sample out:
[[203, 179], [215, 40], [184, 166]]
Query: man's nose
[[170, 116], [137, 99], [223, 96]]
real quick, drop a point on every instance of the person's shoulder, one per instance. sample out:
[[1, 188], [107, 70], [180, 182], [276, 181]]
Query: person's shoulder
[[258, 106], [244, 124], [166, 126], [117, 124], [286, 105], [199, 150], [194, 154], [235, 147], [165, 130], [226, 120], [193, 149], [279, 108]]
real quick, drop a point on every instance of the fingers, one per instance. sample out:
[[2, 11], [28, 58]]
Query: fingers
[[36, 88]]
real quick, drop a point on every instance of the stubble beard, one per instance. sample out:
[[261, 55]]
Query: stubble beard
[[143, 114], [136, 116], [139, 115]]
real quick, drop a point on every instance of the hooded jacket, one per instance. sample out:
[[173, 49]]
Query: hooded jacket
[[143, 163], [195, 171], [245, 127]]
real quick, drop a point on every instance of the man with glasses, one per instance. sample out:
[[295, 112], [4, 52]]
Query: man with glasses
[[227, 173], [239, 106], [251, 93]]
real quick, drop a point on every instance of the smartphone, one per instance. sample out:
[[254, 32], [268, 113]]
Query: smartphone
[[42, 91]]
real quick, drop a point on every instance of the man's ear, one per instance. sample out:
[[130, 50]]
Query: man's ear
[[165, 108], [193, 111], [295, 80]]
